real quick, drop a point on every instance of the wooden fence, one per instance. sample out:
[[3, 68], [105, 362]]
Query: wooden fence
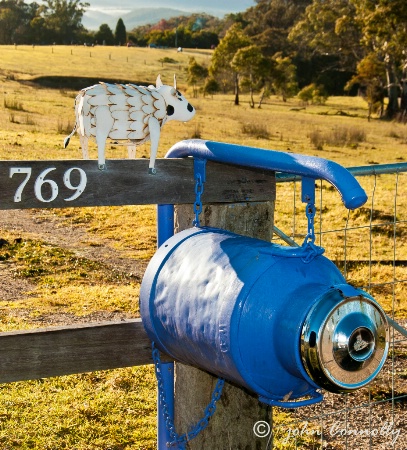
[[41, 353]]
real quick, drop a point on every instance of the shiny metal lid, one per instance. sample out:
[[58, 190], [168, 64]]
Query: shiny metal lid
[[344, 341]]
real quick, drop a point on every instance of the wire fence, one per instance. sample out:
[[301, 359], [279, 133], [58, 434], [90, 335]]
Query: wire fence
[[369, 246]]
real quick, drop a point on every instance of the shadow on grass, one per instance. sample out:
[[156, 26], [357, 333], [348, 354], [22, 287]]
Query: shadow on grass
[[77, 83]]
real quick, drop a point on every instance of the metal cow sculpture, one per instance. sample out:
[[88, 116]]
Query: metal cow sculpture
[[127, 112]]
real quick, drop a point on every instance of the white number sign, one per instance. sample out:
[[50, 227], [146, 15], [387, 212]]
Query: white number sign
[[41, 180], [80, 187]]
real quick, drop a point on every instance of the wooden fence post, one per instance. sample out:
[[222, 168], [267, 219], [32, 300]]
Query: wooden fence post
[[231, 427]]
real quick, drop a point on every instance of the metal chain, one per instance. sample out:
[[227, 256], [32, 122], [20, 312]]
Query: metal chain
[[309, 242], [182, 439], [199, 188], [310, 213]]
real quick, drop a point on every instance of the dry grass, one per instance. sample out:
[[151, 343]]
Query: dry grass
[[342, 136], [256, 130]]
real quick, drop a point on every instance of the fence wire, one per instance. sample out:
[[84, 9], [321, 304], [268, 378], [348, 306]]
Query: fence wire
[[369, 246]]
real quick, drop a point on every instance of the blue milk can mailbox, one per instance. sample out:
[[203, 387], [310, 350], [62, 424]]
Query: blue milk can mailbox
[[280, 321]]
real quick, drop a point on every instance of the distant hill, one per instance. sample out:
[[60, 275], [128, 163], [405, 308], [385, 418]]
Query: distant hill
[[142, 16], [93, 19], [106, 11], [187, 5]]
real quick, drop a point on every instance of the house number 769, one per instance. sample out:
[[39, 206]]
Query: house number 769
[[41, 180]]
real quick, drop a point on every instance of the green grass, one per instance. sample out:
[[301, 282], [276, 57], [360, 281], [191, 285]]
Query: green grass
[[116, 409], [101, 410], [65, 283]]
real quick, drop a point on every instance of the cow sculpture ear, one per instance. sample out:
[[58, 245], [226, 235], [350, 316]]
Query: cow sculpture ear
[[175, 82], [173, 91], [158, 82]]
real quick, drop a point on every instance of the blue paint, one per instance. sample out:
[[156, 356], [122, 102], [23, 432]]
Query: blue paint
[[163, 435], [165, 223], [238, 307], [359, 171], [235, 306], [353, 196], [165, 229]]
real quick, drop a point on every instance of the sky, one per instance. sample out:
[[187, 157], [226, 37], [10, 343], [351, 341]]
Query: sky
[[233, 5], [185, 5]]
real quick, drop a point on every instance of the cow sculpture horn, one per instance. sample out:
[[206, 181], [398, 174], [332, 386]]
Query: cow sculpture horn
[[158, 82], [175, 81]]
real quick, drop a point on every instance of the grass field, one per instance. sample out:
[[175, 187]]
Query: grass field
[[116, 409]]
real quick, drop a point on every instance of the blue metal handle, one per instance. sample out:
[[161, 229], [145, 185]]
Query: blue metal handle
[[348, 187]]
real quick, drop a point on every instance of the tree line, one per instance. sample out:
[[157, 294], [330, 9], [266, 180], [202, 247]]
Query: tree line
[[52, 22], [313, 48], [316, 48]]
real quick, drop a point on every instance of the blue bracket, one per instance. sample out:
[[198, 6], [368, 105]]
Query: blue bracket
[[200, 178], [200, 169], [308, 190]]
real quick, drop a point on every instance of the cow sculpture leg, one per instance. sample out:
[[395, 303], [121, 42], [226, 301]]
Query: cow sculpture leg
[[104, 124], [132, 151], [155, 130], [84, 144]]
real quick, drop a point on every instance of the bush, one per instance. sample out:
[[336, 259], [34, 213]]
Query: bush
[[338, 137], [13, 104], [211, 86], [167, 60], [65, 127], [313, 94], [256, 130]]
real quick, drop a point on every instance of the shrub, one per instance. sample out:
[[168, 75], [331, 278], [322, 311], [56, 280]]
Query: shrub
[[197, 134], [65, 127], [339, 136], [313, 94], [257, 130], [317, 139], [211, 86], [28, 120], [13, 104], [167, 60]]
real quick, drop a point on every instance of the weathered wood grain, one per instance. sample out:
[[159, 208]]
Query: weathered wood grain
[[49, 352], [127, 182]]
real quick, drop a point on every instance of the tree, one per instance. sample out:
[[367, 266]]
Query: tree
[[327, 28], [284, 77], [350, 30], [224, 53], [370, 77], [328, 41], [15, 17], [270, 21], [62, 19], [104, 35], [383, 25], [196, 73], [120, 35], [247, 62]]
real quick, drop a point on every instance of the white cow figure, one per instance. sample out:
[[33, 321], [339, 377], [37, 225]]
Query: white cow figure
[[127, 112]]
